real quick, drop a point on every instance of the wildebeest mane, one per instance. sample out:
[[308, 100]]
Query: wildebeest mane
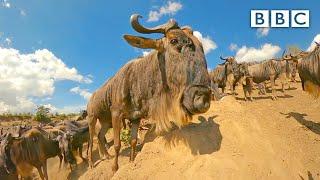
[[309, 71], [148, 89]]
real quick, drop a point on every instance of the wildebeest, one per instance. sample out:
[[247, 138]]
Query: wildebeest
[[71, 136], [168, 85], [72, 140], [83, 115], [222, 76], [8, 170], [228, 74], [263, 71], [287, 67], [272, 69], [309, 70], [32, 149]]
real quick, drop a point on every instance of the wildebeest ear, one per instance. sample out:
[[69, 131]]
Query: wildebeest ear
[[187, 29], [144, 43]]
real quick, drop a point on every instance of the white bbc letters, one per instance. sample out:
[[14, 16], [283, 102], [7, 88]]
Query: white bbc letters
[[280, 18]]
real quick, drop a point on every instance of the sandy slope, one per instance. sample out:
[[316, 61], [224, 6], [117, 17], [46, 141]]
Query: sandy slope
[[263, 139]]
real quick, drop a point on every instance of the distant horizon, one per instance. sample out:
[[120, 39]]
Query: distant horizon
[[58, 53]]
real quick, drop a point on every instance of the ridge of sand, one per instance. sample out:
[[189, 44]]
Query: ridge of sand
[[235, 139]]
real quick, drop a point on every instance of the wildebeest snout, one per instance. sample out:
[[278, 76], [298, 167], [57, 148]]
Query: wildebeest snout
[[196, 99]]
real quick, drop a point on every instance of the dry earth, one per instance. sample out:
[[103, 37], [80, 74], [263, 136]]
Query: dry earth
[[263, 139]]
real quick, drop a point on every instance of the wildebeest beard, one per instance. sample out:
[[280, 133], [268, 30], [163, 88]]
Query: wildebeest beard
[[184, 76]]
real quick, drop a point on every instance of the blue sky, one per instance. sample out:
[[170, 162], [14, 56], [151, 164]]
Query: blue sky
[[87, 35]]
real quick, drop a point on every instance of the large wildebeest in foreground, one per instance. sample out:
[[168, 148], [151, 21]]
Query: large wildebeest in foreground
[[309, 70], [169, 85]]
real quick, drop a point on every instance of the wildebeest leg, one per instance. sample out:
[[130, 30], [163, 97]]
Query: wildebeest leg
[[245, 92], [60, 160], [44, 168], [232, 87], [80, 153], [116, 123], [39, 168], [103, 151], [272, 80], [92, 124], [283, 81], [264, 87], [134, 137]]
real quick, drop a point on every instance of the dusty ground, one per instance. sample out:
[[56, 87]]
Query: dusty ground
[[263, 139]]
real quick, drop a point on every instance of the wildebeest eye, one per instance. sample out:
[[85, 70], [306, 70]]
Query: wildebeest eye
[[173, 41]]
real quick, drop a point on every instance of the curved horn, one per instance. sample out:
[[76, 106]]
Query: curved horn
[[284, 52], [287, 57], [318, 44], [134, 20], [223, 58]]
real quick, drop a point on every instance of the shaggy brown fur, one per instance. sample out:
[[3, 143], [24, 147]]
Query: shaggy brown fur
[[8, 170], [263, 71], [159, 87], [228, 74], [309, 72], [32, 150]]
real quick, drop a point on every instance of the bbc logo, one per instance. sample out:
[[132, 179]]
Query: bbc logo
[[280, 18]]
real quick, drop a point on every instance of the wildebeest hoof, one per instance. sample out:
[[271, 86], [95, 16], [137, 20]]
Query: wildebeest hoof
[[131, 159], [91, 165], [107, 156]]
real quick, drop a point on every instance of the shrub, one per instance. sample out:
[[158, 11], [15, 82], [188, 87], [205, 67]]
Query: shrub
[[42, 114], [125, 136]]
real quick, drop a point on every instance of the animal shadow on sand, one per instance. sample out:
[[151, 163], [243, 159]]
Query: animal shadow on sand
[[312, 126], [202, 138], [310, 177], [285, 96]]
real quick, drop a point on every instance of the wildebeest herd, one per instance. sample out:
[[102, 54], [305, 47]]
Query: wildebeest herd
[[168, 87]]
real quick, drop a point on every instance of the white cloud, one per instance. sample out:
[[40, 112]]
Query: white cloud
[[261, 32], [65, 109], [233, 47], [25, 77], [6, 4], [8, 41], [82, 92], [207, 43], [267, 51], [23, 12], [21, 104], [313, 44], [145, 53], [71, 109], [170, 8]]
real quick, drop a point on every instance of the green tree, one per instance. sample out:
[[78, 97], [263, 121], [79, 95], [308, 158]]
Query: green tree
[[42, 114]]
